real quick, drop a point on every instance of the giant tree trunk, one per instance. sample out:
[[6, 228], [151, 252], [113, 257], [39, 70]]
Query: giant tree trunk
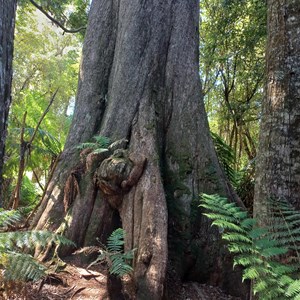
[[278, 164], [139, 81], [7, 25]]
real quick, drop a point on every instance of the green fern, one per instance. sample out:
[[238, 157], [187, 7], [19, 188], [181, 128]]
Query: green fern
[[17, 265], [261, 250], [285, 220], [102, 141], [45, 142], [115, 241], [114, 255], [294, 290], [19, 239], [8, 217], [101, 144], [226, 157], [20, 266]]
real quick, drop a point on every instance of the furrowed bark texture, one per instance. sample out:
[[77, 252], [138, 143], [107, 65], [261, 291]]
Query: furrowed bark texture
[[278, 165], [7, 25], [139, 81]]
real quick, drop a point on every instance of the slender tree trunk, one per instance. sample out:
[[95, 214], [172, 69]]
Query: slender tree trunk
[[7, 24], [139, 81], [278, 164]]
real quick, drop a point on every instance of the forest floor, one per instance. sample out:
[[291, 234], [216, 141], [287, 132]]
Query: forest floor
[[75, 281]]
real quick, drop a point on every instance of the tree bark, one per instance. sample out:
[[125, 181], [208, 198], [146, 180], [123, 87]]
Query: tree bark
[[278, 163], [139, 81], [7, 24]]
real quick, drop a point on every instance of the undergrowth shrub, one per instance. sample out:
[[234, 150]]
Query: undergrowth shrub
[[269, 255]]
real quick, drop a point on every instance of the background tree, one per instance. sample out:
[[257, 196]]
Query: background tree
[[47, 64], [232, 70], [7, 25], [232, 42], [139, 81], [277, 172]]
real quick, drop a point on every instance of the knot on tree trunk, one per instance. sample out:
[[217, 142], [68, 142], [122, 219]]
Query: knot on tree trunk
[[117, 174]]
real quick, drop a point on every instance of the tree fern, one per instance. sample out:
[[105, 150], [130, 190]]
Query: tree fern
[[263, 252]]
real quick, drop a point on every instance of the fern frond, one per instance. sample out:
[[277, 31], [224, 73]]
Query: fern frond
[[30, 239], [226, 225], [86, 145], [247, 259], [282, 269], [115, 242], [226, 157], [257, 232], [129, 254], [273, 251], [248, 223], [218, 204], [240, 248], [9, 217], [101, 144], [21, 266], [262, 251], [217, 216], [116, 259], [236, 237], [119, 266], [253, 273], [102, 141], [294, 289]]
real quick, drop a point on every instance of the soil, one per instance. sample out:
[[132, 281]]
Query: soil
[[75, 281]]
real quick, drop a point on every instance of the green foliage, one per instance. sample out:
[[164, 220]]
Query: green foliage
[[8, 217], [242, 180], [21, 266], [44, 60], [15, 264], [270, 255], [79, 16], [226, 157], [28, 192], [294, 290], [232, 46], [45, 148], [245, 185], [72, 14], [114, 255], [99, 145]]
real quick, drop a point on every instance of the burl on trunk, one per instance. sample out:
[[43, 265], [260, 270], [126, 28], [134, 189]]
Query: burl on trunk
[[139, 82]]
